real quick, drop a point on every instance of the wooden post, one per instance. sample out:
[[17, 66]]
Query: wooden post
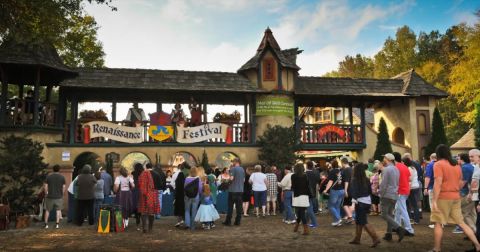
[[352, 130], [62, 108], [48, 93], [159, 106], [73, 119], [296, 121], [253, 120], [20, 91], [363, 126], [114, 111], [204, 111], [3, 100], [36, 97]]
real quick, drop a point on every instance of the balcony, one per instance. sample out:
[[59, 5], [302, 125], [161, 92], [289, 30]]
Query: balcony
[[331, 136]]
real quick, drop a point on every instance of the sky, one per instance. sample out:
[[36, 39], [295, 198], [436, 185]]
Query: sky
[[221, 35]]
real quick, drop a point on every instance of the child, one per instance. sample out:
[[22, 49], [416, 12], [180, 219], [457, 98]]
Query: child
[[323, 197], [206, 213]]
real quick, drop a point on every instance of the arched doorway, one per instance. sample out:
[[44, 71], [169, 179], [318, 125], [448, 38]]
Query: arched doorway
[[84, 158], [225, 159], [398, 136], [182, 156], [132, 158]]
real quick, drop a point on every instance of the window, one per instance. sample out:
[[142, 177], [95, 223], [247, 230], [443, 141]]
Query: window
[[422, 124], [398, 136], [269, 69], [318, 116]]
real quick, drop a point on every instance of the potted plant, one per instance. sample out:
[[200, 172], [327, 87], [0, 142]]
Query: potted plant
[[232, 118], [86, 116]]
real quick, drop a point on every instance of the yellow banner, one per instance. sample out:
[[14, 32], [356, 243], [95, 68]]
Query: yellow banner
[[160, 133]]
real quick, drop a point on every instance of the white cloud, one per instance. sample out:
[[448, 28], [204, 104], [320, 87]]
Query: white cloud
[[321, 61], [467, 17]]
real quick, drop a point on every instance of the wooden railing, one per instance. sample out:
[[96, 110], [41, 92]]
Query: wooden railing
[[20, 112], [331, 134], [241, 134]]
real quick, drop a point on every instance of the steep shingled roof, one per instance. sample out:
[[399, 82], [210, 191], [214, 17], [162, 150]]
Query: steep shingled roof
[[159, 80], [19, 60], [348, 87], [467, 141], [287, 58], [415, 85]]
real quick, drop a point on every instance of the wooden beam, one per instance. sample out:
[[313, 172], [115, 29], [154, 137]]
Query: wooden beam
[[352, 130], [20, 91], [4, 97], [73, 119], [36, 97], [114, 111], [48, 93]]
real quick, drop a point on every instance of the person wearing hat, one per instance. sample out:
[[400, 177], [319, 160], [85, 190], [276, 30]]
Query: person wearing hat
[[86, 194], [388, 193]]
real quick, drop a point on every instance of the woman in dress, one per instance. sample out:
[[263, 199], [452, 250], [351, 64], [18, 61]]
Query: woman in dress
[[137, 171], [148, 205], [212, 184], [123, 188], [259, 187], [222, 199], [300, 188], [178, 182], [247, 191], [360, 190]]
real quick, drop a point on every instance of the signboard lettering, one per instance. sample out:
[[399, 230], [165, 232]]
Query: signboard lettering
[[115, 132], [331, 128], [274, 105], [201, 133]]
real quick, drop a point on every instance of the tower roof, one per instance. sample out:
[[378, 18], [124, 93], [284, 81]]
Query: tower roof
[[414, 84]]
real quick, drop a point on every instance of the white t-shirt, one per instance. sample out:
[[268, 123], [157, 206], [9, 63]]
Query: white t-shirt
[[258, 181], [475, 182], [124, 182], [413, 178]]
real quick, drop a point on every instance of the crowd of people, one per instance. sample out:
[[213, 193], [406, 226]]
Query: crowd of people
[[390, 188]]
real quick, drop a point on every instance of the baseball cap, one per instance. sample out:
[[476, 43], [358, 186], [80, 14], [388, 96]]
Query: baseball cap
[[389, 156]]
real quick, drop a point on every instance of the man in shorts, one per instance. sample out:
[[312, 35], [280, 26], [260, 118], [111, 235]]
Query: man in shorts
[[54, 189], [446, 202]]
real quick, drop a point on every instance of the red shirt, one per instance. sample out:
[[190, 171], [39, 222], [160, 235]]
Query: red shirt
[[404, 181]]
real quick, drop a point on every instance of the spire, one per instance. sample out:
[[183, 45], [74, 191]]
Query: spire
[[268, 39]]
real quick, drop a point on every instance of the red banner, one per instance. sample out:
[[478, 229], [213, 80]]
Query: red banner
[[330, 128]]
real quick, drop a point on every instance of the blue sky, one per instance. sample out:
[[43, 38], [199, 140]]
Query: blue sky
[[219, 35]]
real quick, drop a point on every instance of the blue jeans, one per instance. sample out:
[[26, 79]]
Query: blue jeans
[[335, 202], [260, 198], [191, 206], [401, 213], [160, 195], [311, 214], [96, 208], [287, 203]]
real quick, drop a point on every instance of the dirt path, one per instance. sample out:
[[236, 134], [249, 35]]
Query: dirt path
[[267, 234]]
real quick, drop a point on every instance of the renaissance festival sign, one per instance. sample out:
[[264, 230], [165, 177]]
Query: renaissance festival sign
[[201, 133], [274, 105], [115, 132]]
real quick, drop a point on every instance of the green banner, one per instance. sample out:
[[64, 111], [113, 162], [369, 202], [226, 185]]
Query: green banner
[[274, 105]]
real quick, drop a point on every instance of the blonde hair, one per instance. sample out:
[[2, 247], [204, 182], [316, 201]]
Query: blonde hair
[[206, 190], [193, 172]]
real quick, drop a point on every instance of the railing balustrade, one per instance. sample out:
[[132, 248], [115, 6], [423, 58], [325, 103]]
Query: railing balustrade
[[330, 134]]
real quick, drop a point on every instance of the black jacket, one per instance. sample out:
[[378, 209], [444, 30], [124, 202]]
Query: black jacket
[[356, 190], [300, 186]]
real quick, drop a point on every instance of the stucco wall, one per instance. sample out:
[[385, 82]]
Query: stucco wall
[[288, 77], [42, 137], [263, 121], [397, 113], [371, 141]]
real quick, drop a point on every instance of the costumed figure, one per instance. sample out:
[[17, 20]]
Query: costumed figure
[[177, 115], [196, 113], [135, 116]]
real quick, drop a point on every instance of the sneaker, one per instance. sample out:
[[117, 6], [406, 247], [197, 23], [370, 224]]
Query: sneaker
[[457, 230], [431, 226], [57, 226], [293, 221], [213, 225], [337, 223], [179, 224], [349, 220], [46, 226], [312, 226]]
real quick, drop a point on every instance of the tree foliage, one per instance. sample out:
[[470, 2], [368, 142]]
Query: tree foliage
[[477, 126], [383, 141], [277, 146], [204, 162], [22, 171], [438, 134], [61, 23]]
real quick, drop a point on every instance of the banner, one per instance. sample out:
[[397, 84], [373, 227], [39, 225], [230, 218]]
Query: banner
[[274, 105], [331, 128], [115, 132], [201, 133], [160, 133]]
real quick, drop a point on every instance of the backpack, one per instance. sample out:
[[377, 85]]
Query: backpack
[[191, 189]]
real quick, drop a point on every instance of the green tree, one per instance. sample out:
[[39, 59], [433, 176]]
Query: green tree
[[204, 162], [383, 141], [477, 126], [438, 133], [397, 55], [22, 171], [356, 67], [277, 146]]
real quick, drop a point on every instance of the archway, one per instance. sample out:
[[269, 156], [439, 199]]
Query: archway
[[225, 159], [182, 156], [398, 136], [132, 158], [84, 158]]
